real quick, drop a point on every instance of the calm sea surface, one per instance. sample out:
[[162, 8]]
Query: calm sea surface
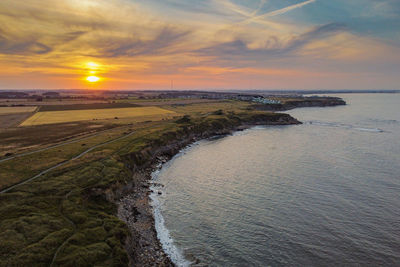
[[325, 193]]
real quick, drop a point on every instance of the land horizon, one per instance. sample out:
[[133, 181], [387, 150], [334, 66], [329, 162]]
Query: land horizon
[[299, 91]]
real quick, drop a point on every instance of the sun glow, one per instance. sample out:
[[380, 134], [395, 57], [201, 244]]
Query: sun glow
[[92, 65], [93, 79]]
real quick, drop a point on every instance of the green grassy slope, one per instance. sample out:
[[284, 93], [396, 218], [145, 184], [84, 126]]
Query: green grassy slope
[[68, 217]]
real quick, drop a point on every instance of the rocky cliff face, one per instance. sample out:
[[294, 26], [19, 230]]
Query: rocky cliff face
[[134, 209]]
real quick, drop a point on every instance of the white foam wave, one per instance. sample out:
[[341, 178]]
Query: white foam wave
[[346, 126], [375, 130], [163, 234], [382, 121]]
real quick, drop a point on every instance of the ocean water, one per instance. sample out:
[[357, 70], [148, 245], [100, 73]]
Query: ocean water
[[325, 193]]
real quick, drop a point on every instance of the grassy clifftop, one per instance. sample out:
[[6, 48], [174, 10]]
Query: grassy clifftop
[[68, 216], [289, 103]]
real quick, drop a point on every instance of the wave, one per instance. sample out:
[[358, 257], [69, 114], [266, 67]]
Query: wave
[[163, 234], [385, 121], [375, 130], [346, 126]]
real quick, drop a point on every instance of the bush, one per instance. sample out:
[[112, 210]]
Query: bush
[[218, 112], [184, 119]]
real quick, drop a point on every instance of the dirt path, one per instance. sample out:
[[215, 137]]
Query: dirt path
[[70, 222], [63, 163]]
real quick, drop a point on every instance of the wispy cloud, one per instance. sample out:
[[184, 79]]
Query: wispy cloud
[[198, 42], [165, 40], [272, 47]]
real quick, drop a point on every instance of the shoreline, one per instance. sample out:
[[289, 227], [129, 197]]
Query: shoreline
[[172, 251], [134, 206]]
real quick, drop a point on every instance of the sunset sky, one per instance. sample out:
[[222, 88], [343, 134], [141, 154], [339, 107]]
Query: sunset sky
[[200, 44]]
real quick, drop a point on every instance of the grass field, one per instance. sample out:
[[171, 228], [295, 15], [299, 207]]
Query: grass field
[[201, 109], [86, 106], [14, 110], [12, 120], [22, 168], [60, 220], [52, 117]]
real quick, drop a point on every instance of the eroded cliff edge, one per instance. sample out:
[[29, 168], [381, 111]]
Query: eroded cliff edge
[[132, 199]]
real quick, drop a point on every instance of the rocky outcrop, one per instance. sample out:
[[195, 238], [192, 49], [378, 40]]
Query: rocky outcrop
[[302, 102]]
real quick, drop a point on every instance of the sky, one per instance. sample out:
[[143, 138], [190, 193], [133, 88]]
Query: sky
[[200, 44]]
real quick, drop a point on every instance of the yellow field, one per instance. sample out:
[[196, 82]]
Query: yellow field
[[51, 117], [13, 110]]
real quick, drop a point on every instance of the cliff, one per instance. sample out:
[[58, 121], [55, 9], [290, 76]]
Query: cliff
[[300, 102], [143, 246]]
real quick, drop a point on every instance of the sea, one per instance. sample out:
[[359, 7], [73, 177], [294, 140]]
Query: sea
[[324, 193]]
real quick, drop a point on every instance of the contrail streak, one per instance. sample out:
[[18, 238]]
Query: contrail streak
[[279, 11]]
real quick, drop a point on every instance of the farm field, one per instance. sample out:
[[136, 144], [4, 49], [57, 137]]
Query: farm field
[[14, 110], [17, 140], [162, 102], [85, 106], [47, 102], [52, 117], [12, 120]]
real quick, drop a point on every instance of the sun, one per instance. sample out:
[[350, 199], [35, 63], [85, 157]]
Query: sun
[[93, 71], [93, 79]]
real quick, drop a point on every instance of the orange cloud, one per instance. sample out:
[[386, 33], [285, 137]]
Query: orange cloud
[[51, 43]]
